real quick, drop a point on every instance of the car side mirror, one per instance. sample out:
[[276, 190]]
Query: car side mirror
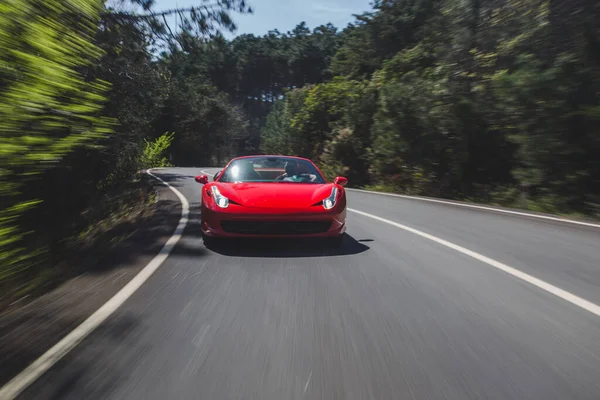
[[340, 180], [203, 179]]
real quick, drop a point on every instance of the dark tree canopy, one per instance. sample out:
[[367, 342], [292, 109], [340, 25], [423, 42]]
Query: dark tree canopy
[[460, 98]]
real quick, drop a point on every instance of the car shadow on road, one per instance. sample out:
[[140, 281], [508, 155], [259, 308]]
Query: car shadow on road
[[286, 248]]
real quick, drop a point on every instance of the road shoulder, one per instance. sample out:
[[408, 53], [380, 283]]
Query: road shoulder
[[28, 331]]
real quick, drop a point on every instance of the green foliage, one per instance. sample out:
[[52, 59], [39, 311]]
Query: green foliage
[[329, 123], [275, 138], [278, 135], [48, 107], [340, 152], [154, 151], [463, 99], [80, 90]]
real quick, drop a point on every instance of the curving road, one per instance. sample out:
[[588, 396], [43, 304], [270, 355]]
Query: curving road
[[393, 314]]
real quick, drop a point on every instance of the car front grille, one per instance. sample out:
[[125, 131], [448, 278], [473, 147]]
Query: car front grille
[[276, 227]]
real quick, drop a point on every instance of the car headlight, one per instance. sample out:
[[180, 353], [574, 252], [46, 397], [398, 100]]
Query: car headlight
[[221, 200], [330, 201]]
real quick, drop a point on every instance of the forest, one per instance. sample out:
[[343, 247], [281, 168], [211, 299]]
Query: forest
[[493, 101]]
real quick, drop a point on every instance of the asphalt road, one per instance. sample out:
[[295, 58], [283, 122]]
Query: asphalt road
[[391, 315]]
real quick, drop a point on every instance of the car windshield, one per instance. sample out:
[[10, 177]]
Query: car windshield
[[271, 170]]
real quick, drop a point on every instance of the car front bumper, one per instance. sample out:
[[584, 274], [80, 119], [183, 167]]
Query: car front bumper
[[284, 223]]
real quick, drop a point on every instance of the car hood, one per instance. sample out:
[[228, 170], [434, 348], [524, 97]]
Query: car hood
[[280, 194]]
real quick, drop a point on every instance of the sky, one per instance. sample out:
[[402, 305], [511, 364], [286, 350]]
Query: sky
[[284, 15]]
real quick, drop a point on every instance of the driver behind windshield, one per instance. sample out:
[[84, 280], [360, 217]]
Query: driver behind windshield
[[293, 174]]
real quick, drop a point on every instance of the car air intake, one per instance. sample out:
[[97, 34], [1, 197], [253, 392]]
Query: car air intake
[[276, 227]]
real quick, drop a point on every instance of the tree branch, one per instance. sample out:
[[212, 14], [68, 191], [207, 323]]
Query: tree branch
[[242, 8]]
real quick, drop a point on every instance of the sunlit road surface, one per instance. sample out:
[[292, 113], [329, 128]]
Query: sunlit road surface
[[392, 315]]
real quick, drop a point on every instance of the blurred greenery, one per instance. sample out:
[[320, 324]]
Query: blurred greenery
[[84, 92], [47, 107], [493, 101]]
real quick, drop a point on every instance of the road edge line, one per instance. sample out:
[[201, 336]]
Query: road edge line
[[36, 369], [547, 287], [485, 208]]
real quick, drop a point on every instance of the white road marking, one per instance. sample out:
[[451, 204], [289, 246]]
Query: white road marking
[[452, 203], [563, 294], [307, 382], [30, 374]]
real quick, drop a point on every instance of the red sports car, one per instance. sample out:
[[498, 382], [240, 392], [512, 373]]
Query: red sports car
[[272, 196]]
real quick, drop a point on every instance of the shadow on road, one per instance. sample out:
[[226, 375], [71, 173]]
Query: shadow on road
[[286, 248]]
